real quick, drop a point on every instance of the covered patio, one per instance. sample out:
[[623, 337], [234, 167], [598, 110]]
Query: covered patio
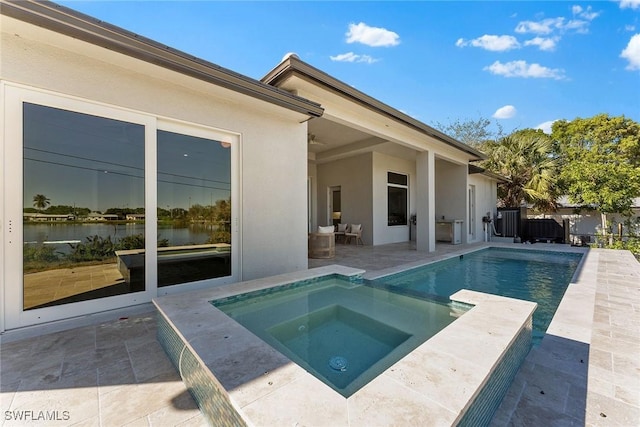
[[385, 259], [371, 164]]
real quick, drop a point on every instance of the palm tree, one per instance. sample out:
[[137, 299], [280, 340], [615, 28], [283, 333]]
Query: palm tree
[[526, 159], [40, 201]]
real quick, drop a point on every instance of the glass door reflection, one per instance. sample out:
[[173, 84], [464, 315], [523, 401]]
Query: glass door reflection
[[194, 209], [83, 204]]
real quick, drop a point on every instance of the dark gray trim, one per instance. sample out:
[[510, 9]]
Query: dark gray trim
[[293, 65], [473, 169], [74, 24]]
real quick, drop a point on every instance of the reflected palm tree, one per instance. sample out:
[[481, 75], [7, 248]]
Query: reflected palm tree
[[40, 202]]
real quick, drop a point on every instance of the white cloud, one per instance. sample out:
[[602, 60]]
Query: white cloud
[[545, 26], [522, 69], [543, 43], [587, 13], [352, 57], [632, 53], [506, 112], [371, 36], [546, 126], [491, 42], [579, 24], [631, 4], [630, 28]]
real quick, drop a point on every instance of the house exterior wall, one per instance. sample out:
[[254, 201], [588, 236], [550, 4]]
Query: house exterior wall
[[353, 176], [272, 161], [451, 193], [486, 202], [312, 190], [382, 233], [587, 223]]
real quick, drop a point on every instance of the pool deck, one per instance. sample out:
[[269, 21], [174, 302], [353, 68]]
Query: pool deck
[[110, 370]]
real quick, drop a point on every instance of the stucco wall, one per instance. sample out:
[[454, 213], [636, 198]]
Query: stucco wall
[[273, 155], [353, 175], [451, 191], [312, 176], [382, 233], [485, 203]]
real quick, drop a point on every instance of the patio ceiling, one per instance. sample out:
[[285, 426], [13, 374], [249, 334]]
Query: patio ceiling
[[329, 141], [354, 122]]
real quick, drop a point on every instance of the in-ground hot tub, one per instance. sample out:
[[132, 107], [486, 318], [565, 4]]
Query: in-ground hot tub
[[458, 376], [342, 331]]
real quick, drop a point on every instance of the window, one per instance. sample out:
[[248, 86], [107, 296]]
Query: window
[[103, 206], [194, 208], [83, 207], [397, 190]]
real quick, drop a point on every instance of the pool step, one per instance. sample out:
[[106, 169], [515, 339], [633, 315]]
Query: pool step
[[457, 312]]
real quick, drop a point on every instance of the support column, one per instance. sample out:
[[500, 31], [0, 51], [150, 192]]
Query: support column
[[426, 202]]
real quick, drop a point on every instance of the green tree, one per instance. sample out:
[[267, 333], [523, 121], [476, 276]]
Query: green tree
[[600, 162], [40, 201], [222, 221], [526, 159], [471, 132], [197, 212]]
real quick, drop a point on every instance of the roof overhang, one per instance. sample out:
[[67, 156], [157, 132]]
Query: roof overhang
[[473, 169], [292, 66], [74, 24]]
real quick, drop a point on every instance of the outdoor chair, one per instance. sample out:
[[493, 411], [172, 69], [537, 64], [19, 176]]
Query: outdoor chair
[[355, 232], [340, 232], [323, 243]]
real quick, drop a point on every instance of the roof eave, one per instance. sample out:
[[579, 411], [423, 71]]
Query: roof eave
[[74, 24], [292, 65], [473, 169]]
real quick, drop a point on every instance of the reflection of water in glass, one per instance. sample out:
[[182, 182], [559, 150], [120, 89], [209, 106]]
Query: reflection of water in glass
[[34, 233], [192, 234]]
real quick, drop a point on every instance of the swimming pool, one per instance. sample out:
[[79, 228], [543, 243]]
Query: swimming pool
[[456, 377], [532, 275], [343, 332]]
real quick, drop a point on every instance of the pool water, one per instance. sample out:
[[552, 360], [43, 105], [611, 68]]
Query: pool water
[[533, 275], [331, 341], [345, 333]]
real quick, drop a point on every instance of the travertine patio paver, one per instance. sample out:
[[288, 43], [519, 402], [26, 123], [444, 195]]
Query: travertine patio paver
[[587, 368], [110, 374], [120, 359]]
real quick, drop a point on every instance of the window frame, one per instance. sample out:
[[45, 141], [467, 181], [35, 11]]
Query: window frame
[[404, 187], [190, 129], [13, 96]]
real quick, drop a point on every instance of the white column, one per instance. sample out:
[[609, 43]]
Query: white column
[[426, 202]]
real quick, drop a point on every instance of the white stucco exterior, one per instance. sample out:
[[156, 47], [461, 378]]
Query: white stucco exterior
[[270, 155], [281, 186], [486, 200], [438, 177], [382, 164]]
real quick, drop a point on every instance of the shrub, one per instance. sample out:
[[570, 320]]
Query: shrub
[[95, 248], [39, 253]]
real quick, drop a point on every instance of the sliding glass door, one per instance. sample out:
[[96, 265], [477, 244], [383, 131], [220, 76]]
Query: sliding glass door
[[108, 208], [83, 179], [194, 208]]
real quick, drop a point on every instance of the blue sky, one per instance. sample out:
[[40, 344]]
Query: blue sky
[[522, 64]]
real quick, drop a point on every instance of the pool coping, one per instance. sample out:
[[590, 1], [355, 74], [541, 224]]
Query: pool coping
[[587, 363], [435, 384]]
